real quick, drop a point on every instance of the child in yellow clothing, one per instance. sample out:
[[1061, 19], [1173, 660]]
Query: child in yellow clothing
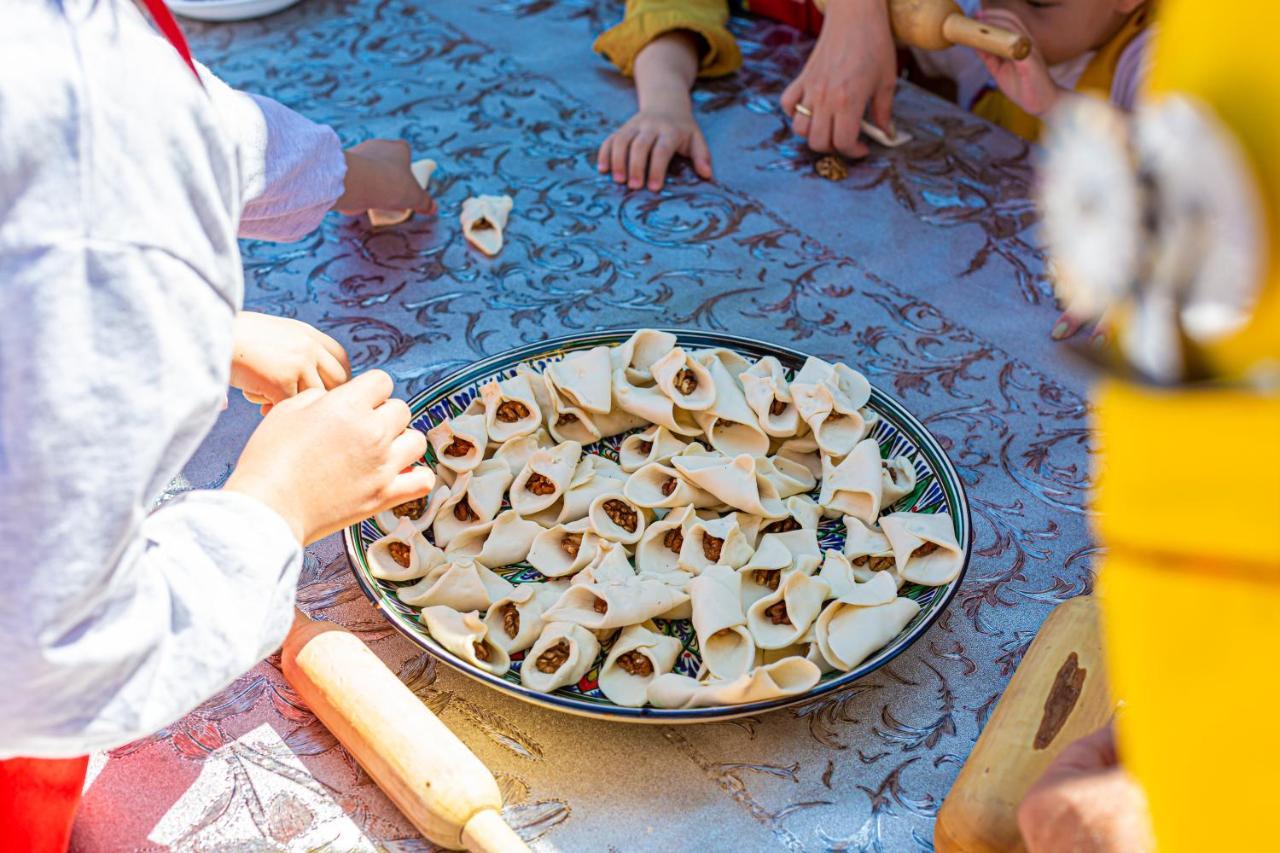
[[666, 44]]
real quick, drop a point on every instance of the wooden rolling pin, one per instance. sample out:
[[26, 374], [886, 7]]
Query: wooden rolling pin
[[938, 24], [431, 776], [1058, 694]]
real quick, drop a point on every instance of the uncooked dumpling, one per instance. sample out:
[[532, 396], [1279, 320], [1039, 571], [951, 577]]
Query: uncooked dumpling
[[403, 554], [612, 516], [788, 677], [515, 620], [562, 655], [686, 383], [510, 408], [729, 424], [769, 395], [736, 481], [829, 398], [616, 605], [855, 486], [863, 588], [720, 541], [924, 547], [460, 442], [497, 543], [545, 477], [658, 551], [727, 647], [483, 220], [517, 451], [656, 486], [781, 617], [420, 511], [639, 655], [563, 550], [594, 476], [462, 584], [656, 445], [475, 499], [584, 378], [467, 636], [898, 479], [846, 634]]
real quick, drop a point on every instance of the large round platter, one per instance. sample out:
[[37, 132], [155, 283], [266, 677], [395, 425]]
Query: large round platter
[[898, 432]]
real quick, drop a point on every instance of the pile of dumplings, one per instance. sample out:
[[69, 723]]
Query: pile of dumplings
[[708, 516]]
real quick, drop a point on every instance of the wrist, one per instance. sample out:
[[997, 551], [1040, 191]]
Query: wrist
[[246, 484], [356, 166]]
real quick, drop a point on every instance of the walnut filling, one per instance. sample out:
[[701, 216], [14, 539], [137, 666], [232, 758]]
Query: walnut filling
[[553, 658], [463, 512], [482, 651], [634, 663], [566, 419], [458, 447], [668, 486], [784, 526], [832, 167], [876, 564], [711, 547], [511, 411], [482, 224], [510, 619], [777, 407], [686, 382], [621, 514], [600, 606], [400, 552], [925, 549], [571, 543], [777, 613], [645, 447], [673, 539], [410, 509], [539, 485], [767, 577], [891, 470], [835, 416]]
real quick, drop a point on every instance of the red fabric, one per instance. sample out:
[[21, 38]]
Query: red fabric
[[38, 801], [801, 14], [169, 29]]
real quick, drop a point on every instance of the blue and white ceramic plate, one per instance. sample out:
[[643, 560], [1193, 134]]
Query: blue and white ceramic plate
[[938, 489]]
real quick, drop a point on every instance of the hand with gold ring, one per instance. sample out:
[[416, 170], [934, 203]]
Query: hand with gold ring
[[853, 66]]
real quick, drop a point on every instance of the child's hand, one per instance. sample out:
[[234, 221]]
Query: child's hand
[[379, 178], [274, 358], [324, 460], [648, 141], [1026, 82]]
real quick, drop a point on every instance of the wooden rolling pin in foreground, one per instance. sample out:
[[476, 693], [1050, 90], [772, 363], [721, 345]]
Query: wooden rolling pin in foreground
[[431, 776], [938, 24], [1058, 694]]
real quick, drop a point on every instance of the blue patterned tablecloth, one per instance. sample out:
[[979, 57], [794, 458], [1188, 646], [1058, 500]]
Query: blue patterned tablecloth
[[918, 269]]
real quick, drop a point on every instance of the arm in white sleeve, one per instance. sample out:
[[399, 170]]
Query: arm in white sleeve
[[292, 169], [117, 620]]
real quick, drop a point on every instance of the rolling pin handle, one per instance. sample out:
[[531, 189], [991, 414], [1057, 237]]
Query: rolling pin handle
[[487, 832], [959, 29]]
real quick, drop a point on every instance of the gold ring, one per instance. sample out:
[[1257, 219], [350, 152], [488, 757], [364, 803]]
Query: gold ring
[[804, 111]]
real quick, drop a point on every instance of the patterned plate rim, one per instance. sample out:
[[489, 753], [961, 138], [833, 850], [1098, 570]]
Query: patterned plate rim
[[948, 479]]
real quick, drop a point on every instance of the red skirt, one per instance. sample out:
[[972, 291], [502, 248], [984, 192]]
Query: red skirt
[[38, 800]]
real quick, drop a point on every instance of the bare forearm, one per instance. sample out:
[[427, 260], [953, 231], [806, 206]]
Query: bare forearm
[[666, 68]]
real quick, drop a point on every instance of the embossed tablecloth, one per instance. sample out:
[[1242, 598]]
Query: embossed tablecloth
[[919, 269]]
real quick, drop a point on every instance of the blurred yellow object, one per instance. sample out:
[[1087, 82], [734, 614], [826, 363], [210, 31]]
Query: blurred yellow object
[[1189, 502]]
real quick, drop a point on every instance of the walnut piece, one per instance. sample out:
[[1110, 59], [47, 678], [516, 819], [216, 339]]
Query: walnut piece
[[400, 552], [784, 526], [511, 411], [634, 663], [668, 486], [876, 564], [458, 447], [539, 485], [482, 652], [566, 419], [673, 540], [571, 544], [777, 407], [925, 549], [553, 658], [463, 512], [832, 168], [600, 606], [777, 613], [511, 619], [767, 577], [621, 514], [410, 509], [645, 447], [711, 547], [686, 382]]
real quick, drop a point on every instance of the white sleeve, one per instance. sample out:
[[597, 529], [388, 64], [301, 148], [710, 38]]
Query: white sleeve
[[117, 620], [292, 169]]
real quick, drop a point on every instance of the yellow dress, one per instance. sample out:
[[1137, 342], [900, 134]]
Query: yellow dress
[[645, 20], [995, 106]]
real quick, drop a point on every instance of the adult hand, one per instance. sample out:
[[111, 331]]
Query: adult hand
[[1086, 803], [274, 358], [379, 178], [326, 459], [852, 66]]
